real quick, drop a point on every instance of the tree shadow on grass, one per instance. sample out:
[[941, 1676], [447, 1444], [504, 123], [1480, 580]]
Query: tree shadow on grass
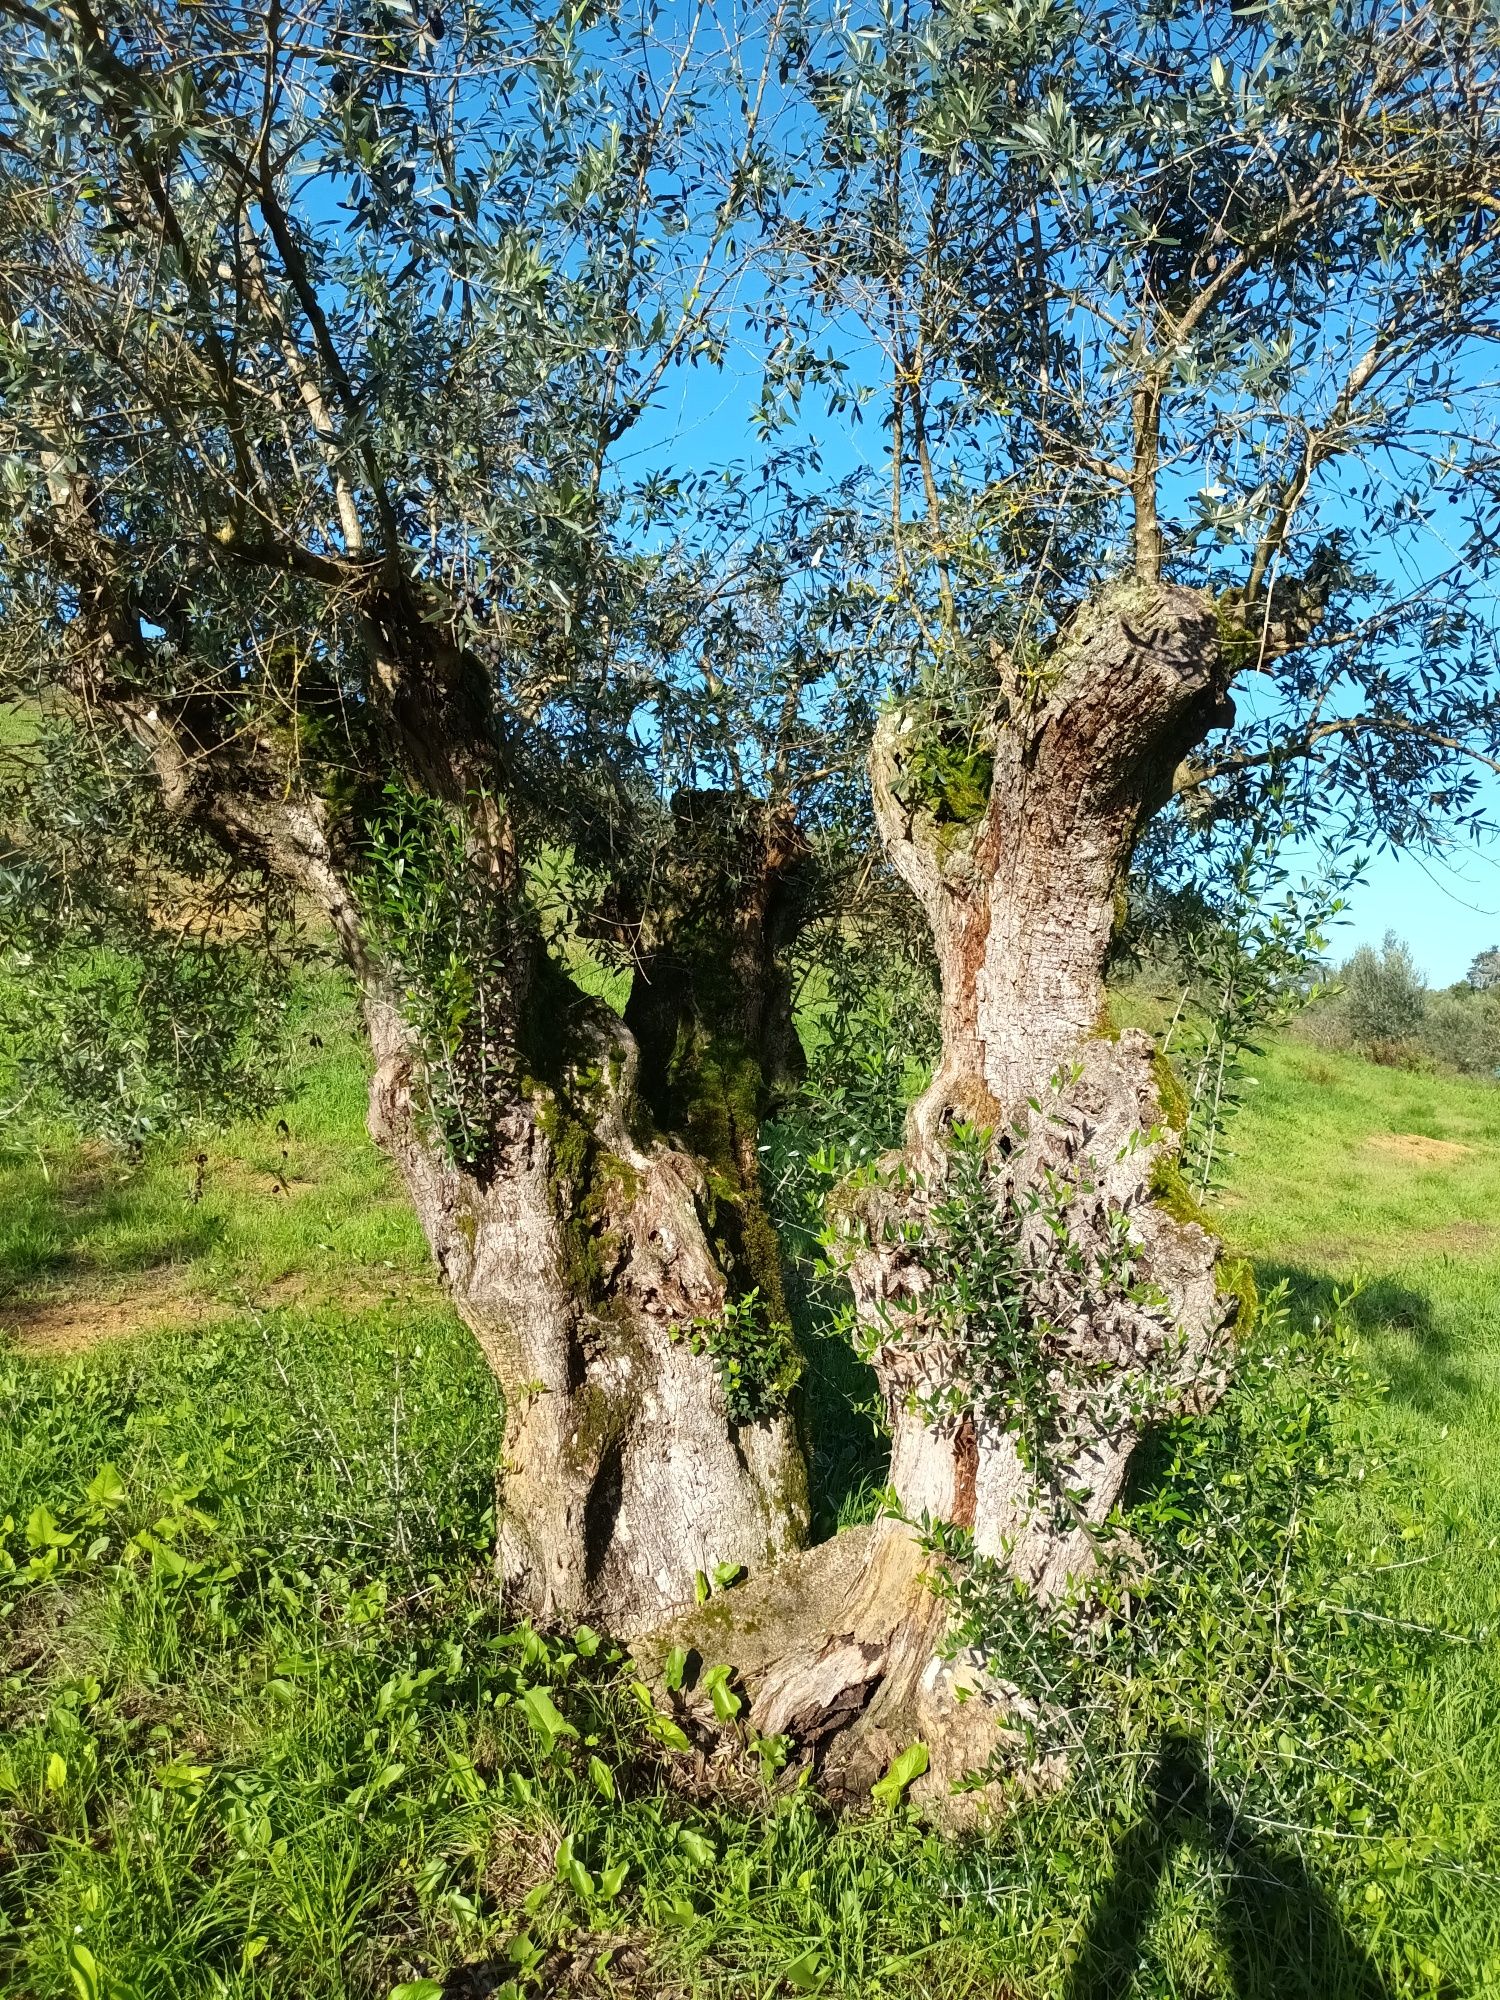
[[1282, 1935], [51, 1226], [1422, 1364]]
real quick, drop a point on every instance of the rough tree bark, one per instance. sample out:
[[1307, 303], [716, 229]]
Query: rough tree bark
[[605, 1250], [586, 1243], [578, 1259], [844, 1647], [1023, 906]]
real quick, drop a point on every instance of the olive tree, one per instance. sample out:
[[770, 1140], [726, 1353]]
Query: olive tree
[[1179, 328], [323, 331], [321, 328]]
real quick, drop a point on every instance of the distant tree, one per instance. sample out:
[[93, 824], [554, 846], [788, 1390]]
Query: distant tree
[[1484, 971], [1461, 1030], [1385, 996]]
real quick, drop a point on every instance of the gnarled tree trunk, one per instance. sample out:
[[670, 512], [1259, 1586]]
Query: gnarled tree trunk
[[1023, 905], [580, 1262], [1115, 1315], [604, 1248]]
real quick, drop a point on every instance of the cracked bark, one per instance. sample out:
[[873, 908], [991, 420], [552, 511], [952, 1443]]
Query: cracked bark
[[621, 1204], [586, 1242], [573, 1261], [582, 1235]]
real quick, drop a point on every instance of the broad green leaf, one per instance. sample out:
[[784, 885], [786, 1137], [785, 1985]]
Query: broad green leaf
[[670, 1733], [699, 1850], [727, 1703], [417, 1989], [106, 1488], [603, 1777], [675, 1668], [572, 1871], [180, 1777], [545, 1716], [911, 1763], [42, 1531], [84, 1968], [806, 1974], [57, 1772], [164, 1558]]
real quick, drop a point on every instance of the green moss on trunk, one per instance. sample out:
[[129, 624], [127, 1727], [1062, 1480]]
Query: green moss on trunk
[[1170, 1191], [1234, 1276], [591, 1186], [1173, 1099], [717, 1092]]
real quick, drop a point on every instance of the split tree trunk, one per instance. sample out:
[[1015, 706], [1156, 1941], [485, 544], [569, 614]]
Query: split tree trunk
[[616, 1221], [580, 1261], [1119, 1298]]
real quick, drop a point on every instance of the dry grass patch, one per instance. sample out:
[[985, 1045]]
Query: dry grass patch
[[61, 1326], [1418, 1149]]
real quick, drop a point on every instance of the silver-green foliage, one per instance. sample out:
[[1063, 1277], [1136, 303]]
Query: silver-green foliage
[[1385, 996]]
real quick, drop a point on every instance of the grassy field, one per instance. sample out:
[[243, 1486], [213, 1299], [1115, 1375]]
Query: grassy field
[[1349, 1174], [264, 1733]]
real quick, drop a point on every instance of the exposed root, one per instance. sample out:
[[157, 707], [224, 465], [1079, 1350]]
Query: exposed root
[[840, 1649]]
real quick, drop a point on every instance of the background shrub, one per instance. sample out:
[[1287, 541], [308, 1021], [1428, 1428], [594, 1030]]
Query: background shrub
[[1461, 1030], [1379, 1007], [1384, 996]]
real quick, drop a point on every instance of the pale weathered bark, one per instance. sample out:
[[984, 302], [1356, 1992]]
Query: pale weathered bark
[[578, 1260], [1022, 906], [1022, 902]]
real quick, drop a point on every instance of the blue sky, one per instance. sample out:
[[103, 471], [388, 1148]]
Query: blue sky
[[1446, 906]]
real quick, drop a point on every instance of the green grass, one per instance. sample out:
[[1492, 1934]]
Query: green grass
[[1326, 1185], [1326, 1189], [264, 1733], [296, 1201]]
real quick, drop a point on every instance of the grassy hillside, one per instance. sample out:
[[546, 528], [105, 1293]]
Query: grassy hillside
[[263, 1733], [1349, 1175]]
